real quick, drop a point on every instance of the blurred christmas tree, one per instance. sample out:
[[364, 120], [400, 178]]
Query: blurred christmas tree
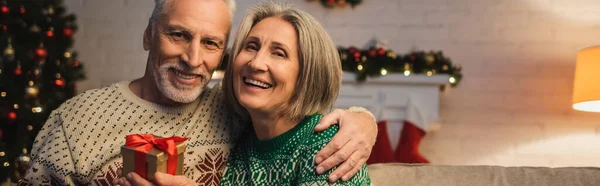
[[37, 73]]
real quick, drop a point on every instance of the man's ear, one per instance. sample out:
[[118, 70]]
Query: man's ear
[[148, 37]]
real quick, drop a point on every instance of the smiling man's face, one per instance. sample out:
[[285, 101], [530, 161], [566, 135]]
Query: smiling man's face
[[186, 45]]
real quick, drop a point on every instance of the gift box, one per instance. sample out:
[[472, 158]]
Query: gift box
[[147, 154]]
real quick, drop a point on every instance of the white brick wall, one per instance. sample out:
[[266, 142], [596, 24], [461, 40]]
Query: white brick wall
[[513, 107]]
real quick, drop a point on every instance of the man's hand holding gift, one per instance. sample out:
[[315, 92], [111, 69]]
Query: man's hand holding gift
[[133, 179], [150, 160]]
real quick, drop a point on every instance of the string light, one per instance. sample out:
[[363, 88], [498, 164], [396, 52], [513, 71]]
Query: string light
[[429, 73], [452, 80], [3, 94], [25, 158], [29, 127], [359, 67], [392, 55], [16, 106], [383, 71], [32, 91], [67, 55], [30, 83], [406, 72], [36, 109], [2, 154], [6, 164]]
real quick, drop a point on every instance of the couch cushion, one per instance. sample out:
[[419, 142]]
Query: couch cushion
[[433, 175]]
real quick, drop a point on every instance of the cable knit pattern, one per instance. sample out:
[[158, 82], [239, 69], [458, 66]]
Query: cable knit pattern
[[80, 142], [284, 160]]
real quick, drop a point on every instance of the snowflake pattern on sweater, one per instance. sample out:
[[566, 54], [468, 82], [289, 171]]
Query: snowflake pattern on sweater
[[287, 159], [80, 142]]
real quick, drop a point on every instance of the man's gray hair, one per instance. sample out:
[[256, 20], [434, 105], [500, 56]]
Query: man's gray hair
[[159, 8]]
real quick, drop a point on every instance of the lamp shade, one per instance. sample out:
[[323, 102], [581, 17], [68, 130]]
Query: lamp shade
[[586, 86]]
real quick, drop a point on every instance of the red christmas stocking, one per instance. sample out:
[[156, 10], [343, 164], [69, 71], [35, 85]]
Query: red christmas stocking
[[382, 150], [408, 147]]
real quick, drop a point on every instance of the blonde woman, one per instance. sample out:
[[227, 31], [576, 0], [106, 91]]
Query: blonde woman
[[284, 73]]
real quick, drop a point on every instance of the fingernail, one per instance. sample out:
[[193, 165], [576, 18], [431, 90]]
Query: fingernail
[[345, 178], [130, 175], [320, 170], [333, 177], [318, 160]]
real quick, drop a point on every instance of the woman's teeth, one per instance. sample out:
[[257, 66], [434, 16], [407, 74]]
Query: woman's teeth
[[257, 83]]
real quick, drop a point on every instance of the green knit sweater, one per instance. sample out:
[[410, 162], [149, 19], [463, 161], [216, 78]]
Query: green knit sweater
[[284, 160]]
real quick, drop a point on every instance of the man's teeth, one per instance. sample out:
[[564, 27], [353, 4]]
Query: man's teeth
[[257, 83], [185, 76]]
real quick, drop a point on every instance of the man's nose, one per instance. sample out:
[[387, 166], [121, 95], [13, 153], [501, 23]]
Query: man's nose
[[193, 55]]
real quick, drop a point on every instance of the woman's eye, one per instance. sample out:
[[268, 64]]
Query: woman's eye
[[251, 47], [279, 54]]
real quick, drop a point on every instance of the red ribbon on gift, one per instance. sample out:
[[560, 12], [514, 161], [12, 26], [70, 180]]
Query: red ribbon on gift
[[144, 142]]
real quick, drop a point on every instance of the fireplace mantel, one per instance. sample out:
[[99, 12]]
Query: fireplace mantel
[[389, 97]]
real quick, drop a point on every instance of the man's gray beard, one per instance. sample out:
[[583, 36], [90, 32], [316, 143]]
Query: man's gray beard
[[177, 92]]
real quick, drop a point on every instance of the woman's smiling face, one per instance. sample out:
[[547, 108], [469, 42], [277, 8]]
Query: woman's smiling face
[[267, 66]]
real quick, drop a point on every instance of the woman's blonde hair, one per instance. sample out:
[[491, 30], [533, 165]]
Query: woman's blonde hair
[[320, 72]]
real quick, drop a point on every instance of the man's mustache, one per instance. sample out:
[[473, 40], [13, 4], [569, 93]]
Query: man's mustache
[[183, 67]]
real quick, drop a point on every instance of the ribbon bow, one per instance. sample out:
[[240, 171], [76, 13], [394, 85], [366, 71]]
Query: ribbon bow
[[144, 142]]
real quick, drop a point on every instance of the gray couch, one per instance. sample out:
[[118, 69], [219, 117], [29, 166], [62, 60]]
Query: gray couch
[[434, 175]]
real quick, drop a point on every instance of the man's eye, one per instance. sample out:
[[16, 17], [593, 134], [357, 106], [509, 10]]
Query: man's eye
[[211, 44], [177, 35]]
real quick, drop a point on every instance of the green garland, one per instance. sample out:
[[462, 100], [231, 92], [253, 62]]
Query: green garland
[[375, 62]]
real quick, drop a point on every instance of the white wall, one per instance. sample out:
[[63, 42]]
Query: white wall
[[518, 56]]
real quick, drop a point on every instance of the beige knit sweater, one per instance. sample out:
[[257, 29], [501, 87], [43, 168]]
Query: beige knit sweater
[[80, 143]]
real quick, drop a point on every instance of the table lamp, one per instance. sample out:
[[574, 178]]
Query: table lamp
[[586, 86]]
